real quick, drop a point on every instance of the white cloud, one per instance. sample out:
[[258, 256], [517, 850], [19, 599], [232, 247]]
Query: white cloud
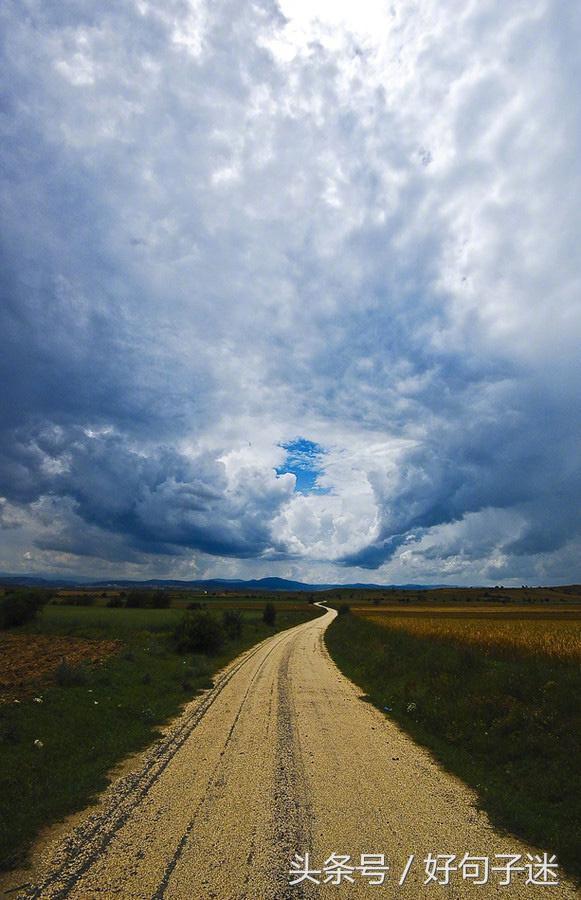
[[349, 222]]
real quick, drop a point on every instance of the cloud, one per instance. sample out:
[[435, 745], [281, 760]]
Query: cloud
[[226, 225], [158, 501]]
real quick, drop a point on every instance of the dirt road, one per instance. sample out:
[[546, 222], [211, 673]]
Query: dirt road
[[282, 756]]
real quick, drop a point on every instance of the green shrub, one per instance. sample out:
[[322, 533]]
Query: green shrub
[[137, 600], [269, 614], [343, 609], [115, 603], [20, 607], [232, 620], [199, 632], [160, 599]]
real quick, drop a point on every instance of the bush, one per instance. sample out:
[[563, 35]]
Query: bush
[[232, 620], [343, 609], [269, 614], [20, 607], [160, 599], [199, 632], [115, 603], [137, 600], [195, 605]]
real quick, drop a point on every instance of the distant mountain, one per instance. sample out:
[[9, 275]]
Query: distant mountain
[[211, 584], [42, 581]]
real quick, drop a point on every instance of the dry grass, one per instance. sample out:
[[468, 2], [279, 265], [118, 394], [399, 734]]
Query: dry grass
[[555, 634]]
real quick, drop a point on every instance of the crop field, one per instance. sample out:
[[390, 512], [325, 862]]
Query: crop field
[[554, 633], [494, 691]]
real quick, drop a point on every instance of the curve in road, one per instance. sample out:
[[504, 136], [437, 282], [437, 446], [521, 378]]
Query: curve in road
[[280, 757]]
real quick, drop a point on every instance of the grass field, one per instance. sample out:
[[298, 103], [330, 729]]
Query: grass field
[[55, 755], [494, 693]]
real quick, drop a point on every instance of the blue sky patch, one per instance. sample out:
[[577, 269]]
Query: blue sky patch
[[303, 459]]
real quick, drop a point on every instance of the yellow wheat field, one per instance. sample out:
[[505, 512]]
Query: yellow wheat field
[[559, 637]]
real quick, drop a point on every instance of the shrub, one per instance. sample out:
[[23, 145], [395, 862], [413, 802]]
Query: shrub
[[137, 600], [232, 621], [343, 609], [269, 614], [199, 632], [195, 605], [115, 603], [20, 607], [160, 599]]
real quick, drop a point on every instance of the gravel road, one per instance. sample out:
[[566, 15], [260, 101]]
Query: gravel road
[[281, 756]]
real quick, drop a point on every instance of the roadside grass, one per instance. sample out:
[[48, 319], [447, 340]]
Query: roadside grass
[[93, 716], [506, 720]]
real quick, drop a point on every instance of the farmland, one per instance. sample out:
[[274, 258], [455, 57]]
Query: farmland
[[493, 630], [491, 689]]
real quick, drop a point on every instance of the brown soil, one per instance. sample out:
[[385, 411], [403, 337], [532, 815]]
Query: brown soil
[[29, 661]]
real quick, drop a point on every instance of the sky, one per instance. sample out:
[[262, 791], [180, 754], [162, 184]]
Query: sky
[[291, 288]]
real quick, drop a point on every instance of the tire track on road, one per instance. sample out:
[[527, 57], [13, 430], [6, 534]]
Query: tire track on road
[[213, 780], [89, 841], [292, 808]]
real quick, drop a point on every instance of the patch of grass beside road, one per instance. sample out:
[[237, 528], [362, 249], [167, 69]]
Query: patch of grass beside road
[[55, 754], [508, 723]]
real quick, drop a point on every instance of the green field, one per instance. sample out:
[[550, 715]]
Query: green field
[[102, 712], [496, 699]]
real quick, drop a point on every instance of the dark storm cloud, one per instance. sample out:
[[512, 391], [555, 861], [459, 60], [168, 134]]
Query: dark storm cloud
[[521, 456], [225, 225], [159, 502]]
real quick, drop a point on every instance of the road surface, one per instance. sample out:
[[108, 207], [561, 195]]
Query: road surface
[[281, 757]]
